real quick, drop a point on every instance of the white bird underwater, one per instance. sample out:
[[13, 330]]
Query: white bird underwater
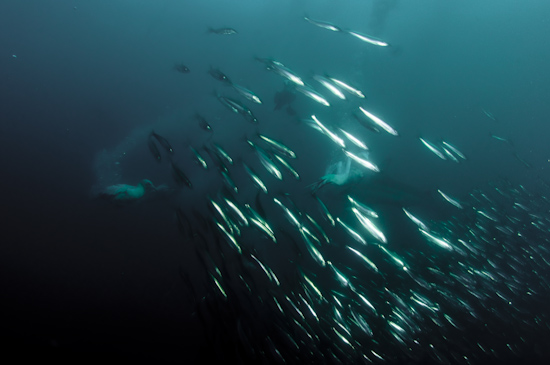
[[337, 174], [128, 193]]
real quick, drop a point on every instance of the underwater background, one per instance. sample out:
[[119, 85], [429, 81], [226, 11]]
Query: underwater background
[[85, 276]]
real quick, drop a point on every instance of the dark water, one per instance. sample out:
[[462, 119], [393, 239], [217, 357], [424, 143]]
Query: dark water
[[83, 84]]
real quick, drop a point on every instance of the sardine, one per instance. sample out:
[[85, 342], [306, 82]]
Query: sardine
[[368, 39], [248, 94], [348, 88], [330, 86], [365, 163], [323, 24], [433, 148], [379, 122], [312, 94], [163, 142], [180, 177]]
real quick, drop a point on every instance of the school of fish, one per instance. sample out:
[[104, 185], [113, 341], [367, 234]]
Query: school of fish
[[320, 277]]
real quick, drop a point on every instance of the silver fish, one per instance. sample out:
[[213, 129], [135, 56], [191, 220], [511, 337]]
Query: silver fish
[[489, 114], [453, 201], [222, 154], [229, 181], [348, 88], [250, 95], [233, 105], [291, 216], [281, 70], [342, 279], [313, 251], [325, 211], [416, 221], [180, 177], [370, 226], [200, 160], [262, 225], [365, 259], [339, 141], [278, 146], [365, 163], [438, 241], [330, 86], [163, 142], [287, 166], [266, 161], [259, 183], [219, 75], [237, 211], [352, 232], [433, 148], [368, 39], [323, 24], [312, 94], [356, 141], [362, 207], [379, 122], [454, 150], [395, 258]]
